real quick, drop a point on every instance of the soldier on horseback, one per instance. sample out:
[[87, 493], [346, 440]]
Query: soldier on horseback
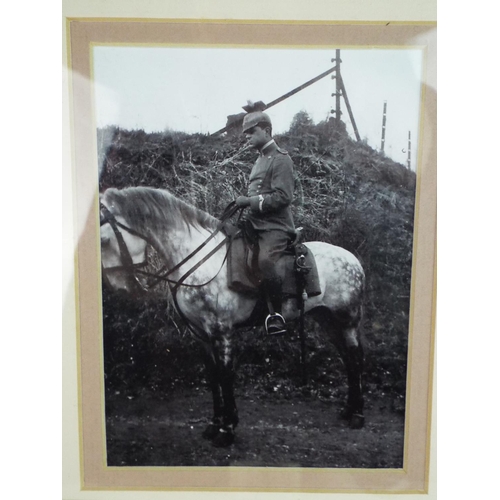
[[270, 193]]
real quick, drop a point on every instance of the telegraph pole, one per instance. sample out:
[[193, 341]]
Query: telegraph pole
[[340, 91], [383, 127]]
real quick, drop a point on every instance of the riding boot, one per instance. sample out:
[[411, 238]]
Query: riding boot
[[275, 323]]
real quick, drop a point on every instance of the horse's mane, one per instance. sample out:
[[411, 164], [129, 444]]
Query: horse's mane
[[154, 208]]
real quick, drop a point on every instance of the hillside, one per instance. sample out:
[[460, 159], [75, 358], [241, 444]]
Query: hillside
[[346, 193]]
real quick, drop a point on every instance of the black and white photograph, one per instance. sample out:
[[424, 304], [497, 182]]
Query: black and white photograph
[[257, 212]]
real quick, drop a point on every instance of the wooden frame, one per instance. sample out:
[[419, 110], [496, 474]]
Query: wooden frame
[[95, 475]]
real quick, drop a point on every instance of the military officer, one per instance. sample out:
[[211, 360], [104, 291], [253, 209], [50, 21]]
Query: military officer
[[270, 193]]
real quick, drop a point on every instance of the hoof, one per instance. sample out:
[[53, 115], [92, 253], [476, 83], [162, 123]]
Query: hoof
[[223, 439], [210, 432], [357, 421]]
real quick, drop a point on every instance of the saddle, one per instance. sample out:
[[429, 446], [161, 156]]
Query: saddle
[[299, 271]]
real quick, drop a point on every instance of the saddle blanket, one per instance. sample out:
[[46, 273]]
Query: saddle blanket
[[242, 278]]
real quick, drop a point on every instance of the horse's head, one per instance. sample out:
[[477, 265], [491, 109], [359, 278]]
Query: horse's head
[[123, 250]]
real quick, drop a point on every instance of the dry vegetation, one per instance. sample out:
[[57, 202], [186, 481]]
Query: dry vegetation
[[346, 194]]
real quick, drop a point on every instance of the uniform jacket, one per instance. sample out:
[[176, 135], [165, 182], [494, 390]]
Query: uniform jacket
[[270, 190]]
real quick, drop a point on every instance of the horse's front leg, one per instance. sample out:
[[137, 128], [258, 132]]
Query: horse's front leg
[[225, 374], [219, 364], [211, 368]]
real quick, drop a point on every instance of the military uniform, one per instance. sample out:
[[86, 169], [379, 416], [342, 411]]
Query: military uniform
[[270, 191]]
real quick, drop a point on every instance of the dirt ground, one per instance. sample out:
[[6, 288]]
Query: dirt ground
[[147, 431]]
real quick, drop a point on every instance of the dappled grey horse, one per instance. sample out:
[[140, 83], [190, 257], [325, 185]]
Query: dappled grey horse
[[132, 218]]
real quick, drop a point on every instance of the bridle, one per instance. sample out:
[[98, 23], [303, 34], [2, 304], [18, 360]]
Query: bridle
[[133, 269], [128, 264]]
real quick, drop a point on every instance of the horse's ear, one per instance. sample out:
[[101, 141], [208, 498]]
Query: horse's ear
[[103, 199], [101, 215]]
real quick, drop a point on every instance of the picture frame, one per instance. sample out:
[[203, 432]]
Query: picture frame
[[94, 474]]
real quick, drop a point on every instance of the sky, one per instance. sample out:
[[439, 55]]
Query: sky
[[194, 89]]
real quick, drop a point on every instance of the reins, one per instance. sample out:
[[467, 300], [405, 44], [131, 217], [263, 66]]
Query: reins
[[230, 210]]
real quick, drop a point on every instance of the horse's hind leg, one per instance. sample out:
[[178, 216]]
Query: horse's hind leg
[[343, 326], [353, 357]]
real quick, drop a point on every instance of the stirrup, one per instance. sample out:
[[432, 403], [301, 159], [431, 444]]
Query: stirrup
[[275, 329]]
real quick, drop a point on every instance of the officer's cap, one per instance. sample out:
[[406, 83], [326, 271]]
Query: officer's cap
[[252, 119]]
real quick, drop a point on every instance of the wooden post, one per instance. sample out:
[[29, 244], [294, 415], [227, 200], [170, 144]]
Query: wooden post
[[338, 92], [337, 86], [348, 106], [409, 151], [383, 127]]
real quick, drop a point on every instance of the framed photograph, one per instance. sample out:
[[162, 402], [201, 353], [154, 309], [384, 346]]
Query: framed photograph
[[181, 384]]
